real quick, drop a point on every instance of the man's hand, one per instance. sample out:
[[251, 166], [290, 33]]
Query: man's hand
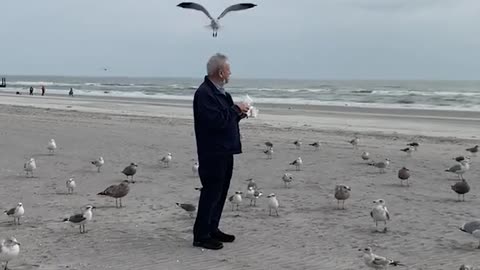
[[244, 107]]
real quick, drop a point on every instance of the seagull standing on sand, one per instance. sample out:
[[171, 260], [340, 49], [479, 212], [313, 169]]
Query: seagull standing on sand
[[377, 262], [16, 212], [316, 145], [236, 199], [380, 213], [251, 183], [81, 219], [415, 145], [268, 145], [51, 146], [298, 144], [117, 191], [188, 207], [409, 150], [166, 160], [297, 162], [403, 175], [272, 204], [98, 163], [30, 166], [461, 188], [473, 228], [250, 194], [460, 168], [269, 153], [214, 23], [473, 150], [71, 185], [354, 142], [130, 170], [195, 169], [9, 250], [287, 179], [342, 193], [365, 155], [256, 195], [382, 165]]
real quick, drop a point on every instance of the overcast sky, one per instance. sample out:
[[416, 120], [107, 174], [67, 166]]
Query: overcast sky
[[317, 39]]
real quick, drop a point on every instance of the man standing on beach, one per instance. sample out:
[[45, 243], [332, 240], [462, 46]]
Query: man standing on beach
[[217, 135]]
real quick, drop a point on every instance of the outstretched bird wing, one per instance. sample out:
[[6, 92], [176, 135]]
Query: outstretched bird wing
[[192, 5], [236, 7]]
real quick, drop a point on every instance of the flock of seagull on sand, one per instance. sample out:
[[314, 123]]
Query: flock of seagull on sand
[[10, 247], [379, 212]]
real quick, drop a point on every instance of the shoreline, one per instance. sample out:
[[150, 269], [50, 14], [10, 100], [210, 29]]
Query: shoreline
[[375, 121]]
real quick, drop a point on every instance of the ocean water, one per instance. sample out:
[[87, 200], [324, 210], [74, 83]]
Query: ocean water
[[446, 95]]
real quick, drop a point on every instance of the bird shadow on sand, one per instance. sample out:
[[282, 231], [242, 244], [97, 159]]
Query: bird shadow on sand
[[25, 266], [10, 224], [109, 206], [42, 155], [292, 170], [396, 185]]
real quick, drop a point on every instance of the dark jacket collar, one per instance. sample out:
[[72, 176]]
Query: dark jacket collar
[[212, 86]]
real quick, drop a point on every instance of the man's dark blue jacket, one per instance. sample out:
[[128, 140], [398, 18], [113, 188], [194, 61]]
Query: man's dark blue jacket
[[216, 120]]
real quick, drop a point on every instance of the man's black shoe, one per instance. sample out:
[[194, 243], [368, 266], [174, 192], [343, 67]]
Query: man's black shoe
[[223, 237], [208, 243]]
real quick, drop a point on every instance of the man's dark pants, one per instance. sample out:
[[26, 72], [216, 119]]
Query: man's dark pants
[[215, 174]]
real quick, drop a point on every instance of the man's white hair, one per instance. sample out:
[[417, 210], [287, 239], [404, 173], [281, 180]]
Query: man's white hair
[[215, 63]]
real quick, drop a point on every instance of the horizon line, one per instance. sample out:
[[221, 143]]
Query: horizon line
[[234, 78]]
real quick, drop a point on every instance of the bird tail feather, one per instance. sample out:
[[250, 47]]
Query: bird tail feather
[[396, 263]]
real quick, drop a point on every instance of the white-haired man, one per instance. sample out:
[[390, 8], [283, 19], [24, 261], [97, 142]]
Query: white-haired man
[[217, 135]]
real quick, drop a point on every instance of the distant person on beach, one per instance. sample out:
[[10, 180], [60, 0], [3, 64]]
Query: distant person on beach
[[71, 92], [217, 135], [31, 91], [43, 90]]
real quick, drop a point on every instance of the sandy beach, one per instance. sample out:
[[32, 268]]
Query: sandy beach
[[151, 232]]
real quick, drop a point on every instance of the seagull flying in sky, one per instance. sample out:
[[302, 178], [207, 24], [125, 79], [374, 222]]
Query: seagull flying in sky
[[214, 23]]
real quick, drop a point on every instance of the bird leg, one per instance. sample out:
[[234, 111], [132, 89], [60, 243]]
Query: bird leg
[[463, 195], [276, 211], [6, 268], [270, 211], [120, 202], [343, 204]]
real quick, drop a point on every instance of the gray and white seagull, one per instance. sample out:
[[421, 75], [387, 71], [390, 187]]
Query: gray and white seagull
[[214, 23]]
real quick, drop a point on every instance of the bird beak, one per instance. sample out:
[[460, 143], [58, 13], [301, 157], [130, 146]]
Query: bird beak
[[18, 243], [93, 207]]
